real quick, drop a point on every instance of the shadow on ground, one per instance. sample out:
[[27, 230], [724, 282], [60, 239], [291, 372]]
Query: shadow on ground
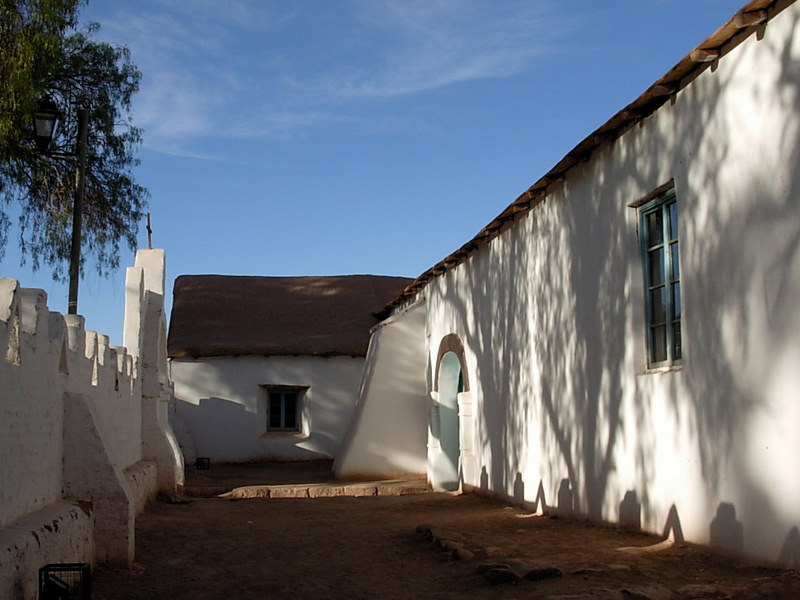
[[224, 477]]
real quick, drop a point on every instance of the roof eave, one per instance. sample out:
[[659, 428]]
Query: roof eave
[[748, 20]]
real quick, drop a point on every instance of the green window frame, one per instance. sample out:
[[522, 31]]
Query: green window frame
[[283, 409], [662, 281]]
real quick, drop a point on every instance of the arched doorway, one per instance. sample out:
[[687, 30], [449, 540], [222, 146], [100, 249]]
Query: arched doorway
[[446, 463], [446, 440]]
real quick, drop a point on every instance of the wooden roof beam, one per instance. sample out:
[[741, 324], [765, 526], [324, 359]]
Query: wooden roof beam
[[469, 246], [521, 204], [705, 55], [554, 177], [665, 88], [748, 19], [596, 140], [452, 261], [630, 115]]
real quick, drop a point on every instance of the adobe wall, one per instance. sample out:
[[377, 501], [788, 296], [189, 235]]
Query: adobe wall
[[565, 413], [75, 471], [145, 334], [220, 406], [387, 434]]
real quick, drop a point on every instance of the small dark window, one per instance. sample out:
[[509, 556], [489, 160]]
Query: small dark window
[[283, 410], [659, 235]]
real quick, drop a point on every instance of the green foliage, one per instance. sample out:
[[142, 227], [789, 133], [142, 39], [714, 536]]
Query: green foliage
[[31, 32], [47, 59]]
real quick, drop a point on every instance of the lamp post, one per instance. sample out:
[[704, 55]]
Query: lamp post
[[45, 124], [77, 213]]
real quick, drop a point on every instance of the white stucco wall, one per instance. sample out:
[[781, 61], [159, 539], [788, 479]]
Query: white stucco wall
[[71, 437], [145, 334], [31, 435], [61, 532], [110, 379], [220, 404], [46, 355], [387, 434], [551, 316]]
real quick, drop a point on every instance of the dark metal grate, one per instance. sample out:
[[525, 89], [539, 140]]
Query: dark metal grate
[[66, 581]]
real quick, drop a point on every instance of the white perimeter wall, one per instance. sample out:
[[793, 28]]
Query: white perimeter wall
[[217, 406], [47, 355], [551, 315], [388, 432], [75, 464]]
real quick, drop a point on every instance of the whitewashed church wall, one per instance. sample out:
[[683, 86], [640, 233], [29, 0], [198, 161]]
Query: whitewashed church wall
[[551, 315], [221, 403], [387, 433]]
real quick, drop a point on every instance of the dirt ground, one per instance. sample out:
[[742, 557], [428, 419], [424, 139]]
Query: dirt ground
[[369, 547]]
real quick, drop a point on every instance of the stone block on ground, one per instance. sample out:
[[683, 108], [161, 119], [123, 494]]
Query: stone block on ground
[[360, 491], [326, 491], [242, 493], [289, 491], [485, 567], [463, 554], [402, 489], [499, 576]]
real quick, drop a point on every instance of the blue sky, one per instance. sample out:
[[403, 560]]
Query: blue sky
[[322, 137]]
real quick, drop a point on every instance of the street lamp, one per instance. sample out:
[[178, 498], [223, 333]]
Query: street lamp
[[45, 122]]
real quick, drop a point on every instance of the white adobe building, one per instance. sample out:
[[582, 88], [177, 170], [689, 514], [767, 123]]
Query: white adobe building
[[268, 368], [623, 341]]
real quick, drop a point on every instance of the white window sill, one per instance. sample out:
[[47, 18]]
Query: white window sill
[[662, 370], [293, 435]]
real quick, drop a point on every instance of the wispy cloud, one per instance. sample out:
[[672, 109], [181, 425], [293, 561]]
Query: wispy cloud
[[431, 44], [246, 68]]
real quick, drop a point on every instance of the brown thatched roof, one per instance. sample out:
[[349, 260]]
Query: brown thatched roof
[[223, 315]]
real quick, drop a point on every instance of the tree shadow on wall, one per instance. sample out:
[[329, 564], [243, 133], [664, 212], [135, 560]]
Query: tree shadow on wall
[[545, 309]]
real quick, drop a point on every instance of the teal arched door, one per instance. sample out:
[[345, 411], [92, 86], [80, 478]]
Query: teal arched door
[[446, 467]]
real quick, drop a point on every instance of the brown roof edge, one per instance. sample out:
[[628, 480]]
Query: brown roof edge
[[747, 20], [233, 315]]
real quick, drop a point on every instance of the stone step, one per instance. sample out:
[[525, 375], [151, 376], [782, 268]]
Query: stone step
[[314, 490]]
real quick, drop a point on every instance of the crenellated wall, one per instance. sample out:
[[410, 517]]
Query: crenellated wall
[[84, 439]]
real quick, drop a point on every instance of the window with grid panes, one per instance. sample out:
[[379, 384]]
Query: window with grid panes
[[283, 410], [660, 252]]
